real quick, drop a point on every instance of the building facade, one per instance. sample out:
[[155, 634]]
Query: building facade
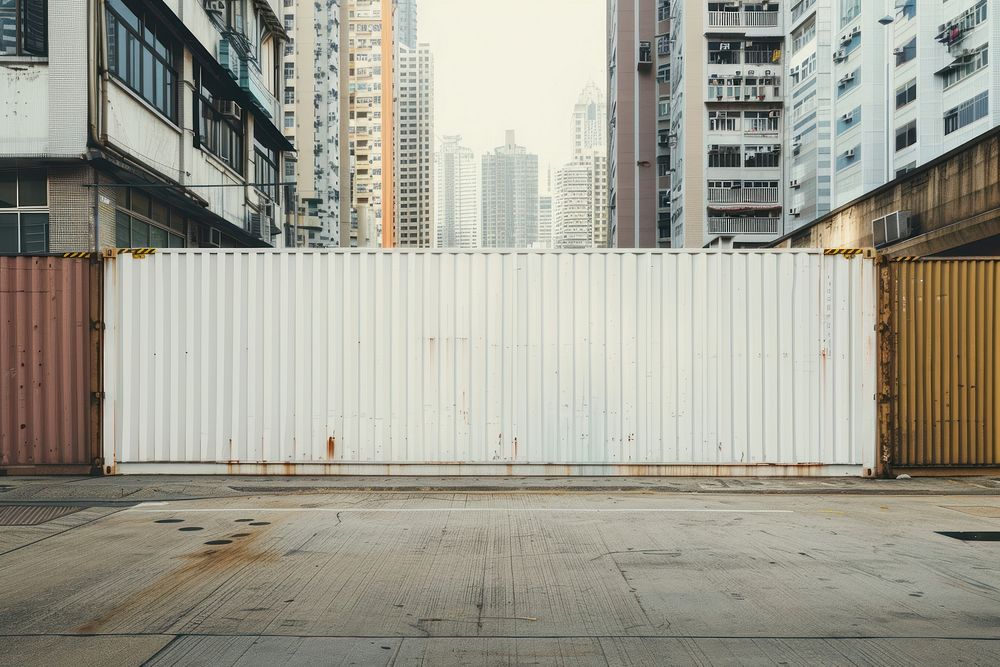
[[370, 65], [414, 150], [406, 23], [135, 128], [456, 195], [665, 132], [727, 106], [579, 207], [544, 239], [509, 196], [315, 120], [632, 102]]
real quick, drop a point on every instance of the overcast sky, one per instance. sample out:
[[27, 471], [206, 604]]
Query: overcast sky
[[513, 64]]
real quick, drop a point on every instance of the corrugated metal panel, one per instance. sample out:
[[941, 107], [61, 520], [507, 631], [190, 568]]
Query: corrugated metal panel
[[947, 408], [613, 359], [45, 361]]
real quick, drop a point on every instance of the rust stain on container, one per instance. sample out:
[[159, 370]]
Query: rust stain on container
[[331, 447], [46, 361], [946, 410]]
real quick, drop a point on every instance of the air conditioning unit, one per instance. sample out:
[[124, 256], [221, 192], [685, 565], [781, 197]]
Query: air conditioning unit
[[210, 237], [750, 72], [898, 51], [856, 30], [255, 225], [774, 113], [846, 79], [794, 184], [849, 153], [794, 210], [230, 109], [796, 147], [767, 72], [845, 39], [840, 56], [847, 118], [713, 147], [739, 73], [892, 228], [215, 6]]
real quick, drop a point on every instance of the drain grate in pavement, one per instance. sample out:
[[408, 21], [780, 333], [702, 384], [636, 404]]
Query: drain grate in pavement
[[32, 515], [972, 536]]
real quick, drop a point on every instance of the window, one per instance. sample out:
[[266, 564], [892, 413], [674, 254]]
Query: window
[[906, 94], [24, 215], [967, 113], [908, 9], [849, 120], [266, 170], [724, 156], [849, 10], [24, 29], [906, 136], [761, 122], [289, 96], [141, 56], [289, 119], [966, 65], [144, 222], [723, 121], [907, 52], [217, 128], [762, 156]]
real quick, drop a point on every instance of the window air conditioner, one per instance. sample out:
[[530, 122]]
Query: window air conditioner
[[794, 184], [794, 210], [847, 118], [849, 154], [892, 228]]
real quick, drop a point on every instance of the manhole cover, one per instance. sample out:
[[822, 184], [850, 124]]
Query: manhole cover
[[972, 536], [986, 511], [32, 515]]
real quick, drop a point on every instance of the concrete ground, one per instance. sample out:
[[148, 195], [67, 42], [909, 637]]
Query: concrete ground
[[521, 574]]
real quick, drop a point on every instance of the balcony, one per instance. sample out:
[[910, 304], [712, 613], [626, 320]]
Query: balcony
[[748, 225], [743, 196], [749, 19], [252, 83]]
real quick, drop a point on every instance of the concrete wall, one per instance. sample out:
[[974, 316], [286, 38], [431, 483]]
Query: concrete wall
[[955, 200]]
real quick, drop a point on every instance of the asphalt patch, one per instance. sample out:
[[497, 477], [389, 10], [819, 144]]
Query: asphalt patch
[[190, 528], [169, 521], [219, 542]]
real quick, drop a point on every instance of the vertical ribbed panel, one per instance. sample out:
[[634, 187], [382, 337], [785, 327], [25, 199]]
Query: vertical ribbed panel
[[44, 361], [947, 362], [491, 357]]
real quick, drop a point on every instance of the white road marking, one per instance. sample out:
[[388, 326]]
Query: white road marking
[[625, 510]]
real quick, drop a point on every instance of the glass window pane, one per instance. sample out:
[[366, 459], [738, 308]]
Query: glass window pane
[[157, 237], [176, 241], [160, 213], [8, 232], [32, 190], [123, 231], [140, 234], [8, 28], [35, 232], [8, 189], [140, 203]]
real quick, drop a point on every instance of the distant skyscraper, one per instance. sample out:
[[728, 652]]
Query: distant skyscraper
[[315, 119], [414, 155], [544, 222], [579, 215], [406, 23], [509, 196], [456, 198], [590, 121]]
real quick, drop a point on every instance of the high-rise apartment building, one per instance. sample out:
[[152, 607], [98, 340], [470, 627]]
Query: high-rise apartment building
[[632, 102], [370, 121], [590, 121], [665, 132], [456, 195], [406, 23], [544, 239], [315, 118], [727, 106], [414, 152], [579, 207], [509, 196]]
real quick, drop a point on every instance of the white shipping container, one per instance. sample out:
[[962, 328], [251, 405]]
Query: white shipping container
[[491, 362]]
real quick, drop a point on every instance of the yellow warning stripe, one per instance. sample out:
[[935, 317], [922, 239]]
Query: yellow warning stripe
[[846, 252], [905, 258], [138, 253], [78, 254]]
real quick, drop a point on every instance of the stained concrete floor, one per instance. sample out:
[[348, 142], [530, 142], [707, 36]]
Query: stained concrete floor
[[506, 578]]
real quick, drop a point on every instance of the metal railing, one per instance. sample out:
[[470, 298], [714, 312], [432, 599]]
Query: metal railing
[[744, 225], [743, 195], [751, 19]]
